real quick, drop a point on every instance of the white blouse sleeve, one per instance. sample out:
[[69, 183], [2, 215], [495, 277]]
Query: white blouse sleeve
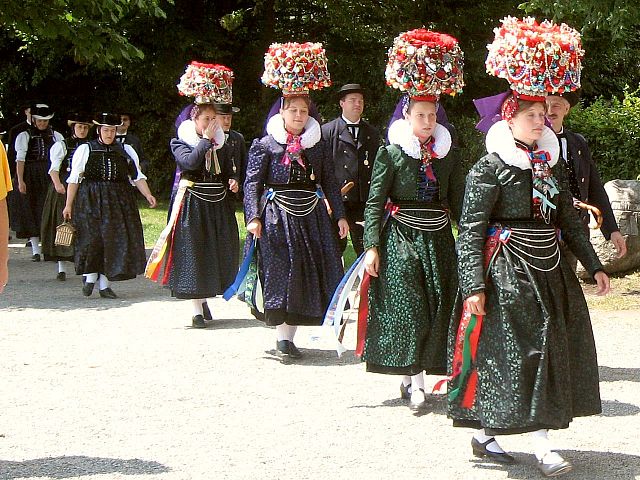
[[56, 154], [22, 145], [134, 156], [78, 162], [57, 136]]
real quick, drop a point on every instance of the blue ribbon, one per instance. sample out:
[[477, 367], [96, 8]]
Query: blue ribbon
[[242, 273]]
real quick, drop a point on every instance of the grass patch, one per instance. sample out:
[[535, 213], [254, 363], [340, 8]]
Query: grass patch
[[155, 219], [625, 294]]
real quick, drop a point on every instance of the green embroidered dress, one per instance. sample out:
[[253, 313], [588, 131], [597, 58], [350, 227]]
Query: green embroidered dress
[[411, 301], [536, 359]]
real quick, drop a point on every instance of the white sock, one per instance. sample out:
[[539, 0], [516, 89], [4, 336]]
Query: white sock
[[62, 266], [285, 332], [543, 449], [417, 381], [35, 245], [91, 277], [482, 437], [406, 380], [196, 306], [104, 282]]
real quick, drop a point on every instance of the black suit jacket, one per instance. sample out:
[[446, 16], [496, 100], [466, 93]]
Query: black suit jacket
[[591, 186], [353, 162], [235, 150]]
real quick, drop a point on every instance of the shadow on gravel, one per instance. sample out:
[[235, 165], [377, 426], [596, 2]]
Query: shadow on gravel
[[587, 464], [613, 408], [436, 404], [619, 374], [315, 358], [77, 466], [227, 324]]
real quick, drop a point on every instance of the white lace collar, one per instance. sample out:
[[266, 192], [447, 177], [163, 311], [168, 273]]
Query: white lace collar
[[187, 133], [310, 136], [500, 141], [401, 133]]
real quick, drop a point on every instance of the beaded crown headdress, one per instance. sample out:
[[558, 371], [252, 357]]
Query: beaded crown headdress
[[296, 68], [425, 65], [207, 83], [536, 59]]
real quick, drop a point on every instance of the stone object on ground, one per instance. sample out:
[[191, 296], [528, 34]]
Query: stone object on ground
[[624, 196]]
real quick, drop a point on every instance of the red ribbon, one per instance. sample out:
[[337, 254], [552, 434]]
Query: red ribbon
[[363, 311]]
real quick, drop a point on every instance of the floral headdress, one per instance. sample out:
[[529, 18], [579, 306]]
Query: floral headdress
[[207, 83], [296, 68], [536, 59], [425, 64]]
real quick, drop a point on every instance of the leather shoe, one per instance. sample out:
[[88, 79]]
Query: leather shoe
[[286, 347], [480, 450], [62, 276], [405, 391], [554, 469], [198, 322], [108, 293], [87, 289], [35, 257]]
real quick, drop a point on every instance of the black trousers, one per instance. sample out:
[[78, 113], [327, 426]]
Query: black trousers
[[355, 213]]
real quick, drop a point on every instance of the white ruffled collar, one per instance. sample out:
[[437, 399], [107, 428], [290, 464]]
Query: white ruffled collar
[[501, 142], [187, 133], [310, 136], [401, 133]]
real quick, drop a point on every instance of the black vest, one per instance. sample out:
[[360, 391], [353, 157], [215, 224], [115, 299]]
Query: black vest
[[108, 163], [40, 142]]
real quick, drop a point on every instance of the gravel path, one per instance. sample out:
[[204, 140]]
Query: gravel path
[[123, 389]]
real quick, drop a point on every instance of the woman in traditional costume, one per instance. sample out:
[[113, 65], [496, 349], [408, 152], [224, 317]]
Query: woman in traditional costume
[[201, 238], [416, 186], [32, 162], [61, 153], [109, 243], [289, 172], [523, 357]]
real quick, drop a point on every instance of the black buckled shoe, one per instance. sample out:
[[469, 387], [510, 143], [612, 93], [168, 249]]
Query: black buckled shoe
[[87, 289], [480, 450], [198, 322], [35, 257], [108, 293], [62, 276], [555, 469], [405, 391]]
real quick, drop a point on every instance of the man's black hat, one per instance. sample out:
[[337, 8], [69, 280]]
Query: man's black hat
[[350, 88]]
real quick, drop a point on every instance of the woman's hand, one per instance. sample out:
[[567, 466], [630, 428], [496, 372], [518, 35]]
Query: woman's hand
[[475, 304], [233, 185], [254, 227], [602, 279], [343, 227], [151, 200], [66, 212], [210, 131], [60, 188], [372, 261]]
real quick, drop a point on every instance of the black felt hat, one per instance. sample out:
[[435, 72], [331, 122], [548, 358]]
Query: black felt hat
[[79, 117], [107, 119], [572, 97], [350, 88], [41, 112], [225, 108]]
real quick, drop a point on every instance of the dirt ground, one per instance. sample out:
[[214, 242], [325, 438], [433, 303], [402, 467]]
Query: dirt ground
[[124, 389]]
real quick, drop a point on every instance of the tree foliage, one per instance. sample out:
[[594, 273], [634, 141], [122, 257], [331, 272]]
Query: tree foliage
[[129, 54]]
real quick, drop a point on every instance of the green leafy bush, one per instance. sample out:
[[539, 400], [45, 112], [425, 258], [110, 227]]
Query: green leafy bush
[[612, 128]]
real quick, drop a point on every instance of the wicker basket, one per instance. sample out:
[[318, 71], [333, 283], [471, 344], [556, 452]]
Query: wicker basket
[[65, 234]]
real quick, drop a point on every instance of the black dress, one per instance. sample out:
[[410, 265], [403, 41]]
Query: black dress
[[109, 237], [54, 205], [26, 209], [204, 248]]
